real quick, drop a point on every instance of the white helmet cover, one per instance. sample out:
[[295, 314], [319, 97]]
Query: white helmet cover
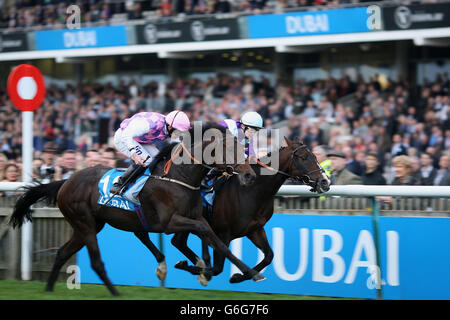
[[252, 119]]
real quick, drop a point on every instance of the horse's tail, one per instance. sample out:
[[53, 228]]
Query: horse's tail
[[22, 210]]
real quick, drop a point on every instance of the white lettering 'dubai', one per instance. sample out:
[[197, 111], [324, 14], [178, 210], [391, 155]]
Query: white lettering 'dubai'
[[365, 244], [320, 254], [278, 249], [307, 23], [80, 39], [363, 256]]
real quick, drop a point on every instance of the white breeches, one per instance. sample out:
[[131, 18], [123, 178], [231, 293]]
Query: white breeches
[[143, 150]]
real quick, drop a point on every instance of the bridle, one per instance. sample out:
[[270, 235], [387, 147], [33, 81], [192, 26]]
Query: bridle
[[305, 177]]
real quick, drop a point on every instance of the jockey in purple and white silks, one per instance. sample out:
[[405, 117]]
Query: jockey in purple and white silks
[[243, 130], [138, 137]]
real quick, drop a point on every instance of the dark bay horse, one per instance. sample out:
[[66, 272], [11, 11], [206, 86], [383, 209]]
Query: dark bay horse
[[168, 207], [243, 212]]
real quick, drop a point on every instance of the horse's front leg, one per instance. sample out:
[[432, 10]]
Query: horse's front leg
[[161, 271], [259, 239], [209, 272], [202, 229], [179, 241]]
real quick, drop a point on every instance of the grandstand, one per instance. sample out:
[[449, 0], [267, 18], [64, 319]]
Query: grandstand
[[158, 67]]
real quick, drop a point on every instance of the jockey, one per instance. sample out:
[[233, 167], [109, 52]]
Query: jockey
[[244, 130], [138, 138]]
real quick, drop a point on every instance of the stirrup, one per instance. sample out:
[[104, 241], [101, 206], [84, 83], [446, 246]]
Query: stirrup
[[117, 189], [207, 188]]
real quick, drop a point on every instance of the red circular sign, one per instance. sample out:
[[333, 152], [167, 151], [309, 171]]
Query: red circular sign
[[26, 87]]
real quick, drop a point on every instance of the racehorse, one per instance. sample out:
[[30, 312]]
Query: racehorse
[[168, 206], [239, 212]]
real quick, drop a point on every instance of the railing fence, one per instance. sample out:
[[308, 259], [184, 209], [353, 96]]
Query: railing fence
[[51, 231]]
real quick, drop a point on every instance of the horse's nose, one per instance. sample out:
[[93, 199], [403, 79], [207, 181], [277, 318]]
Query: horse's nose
[[325, 184]]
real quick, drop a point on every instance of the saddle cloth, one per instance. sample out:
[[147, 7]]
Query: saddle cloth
[[129, 199]]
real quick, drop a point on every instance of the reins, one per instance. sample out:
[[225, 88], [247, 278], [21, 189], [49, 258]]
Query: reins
[[273, 169], [306, 175]]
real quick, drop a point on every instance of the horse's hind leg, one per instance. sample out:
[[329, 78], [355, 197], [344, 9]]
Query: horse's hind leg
[[161, 271], [64, 253], [90, 240]]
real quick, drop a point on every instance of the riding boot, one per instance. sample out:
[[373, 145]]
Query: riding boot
[[132, 172]]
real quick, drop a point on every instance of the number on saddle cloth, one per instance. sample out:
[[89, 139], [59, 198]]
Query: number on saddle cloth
[[129, 199]]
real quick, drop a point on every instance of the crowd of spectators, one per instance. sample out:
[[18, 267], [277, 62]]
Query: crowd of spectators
[[53, 13], [392, 130]]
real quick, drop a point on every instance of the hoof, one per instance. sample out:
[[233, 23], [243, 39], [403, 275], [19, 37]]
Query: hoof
[[237, 277], [202, 277], [181, 265], [161, 271], [203, 280], [200, 263], [258, 277]]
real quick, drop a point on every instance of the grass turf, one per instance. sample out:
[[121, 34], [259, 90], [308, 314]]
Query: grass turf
[[34, 290]]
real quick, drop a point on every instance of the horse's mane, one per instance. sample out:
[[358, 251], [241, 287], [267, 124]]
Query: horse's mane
[[269, 154], [207, 126], [166, 151]]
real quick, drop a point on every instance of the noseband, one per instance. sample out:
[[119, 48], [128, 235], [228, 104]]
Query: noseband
[[306, 177]]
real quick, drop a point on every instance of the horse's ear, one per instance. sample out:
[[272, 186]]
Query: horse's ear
[[297, 140], [288, 142]]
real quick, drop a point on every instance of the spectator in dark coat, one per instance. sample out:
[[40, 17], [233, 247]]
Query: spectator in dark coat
[[427, 172], [442, 177], [340, 174], [372, 174], [351, 163]]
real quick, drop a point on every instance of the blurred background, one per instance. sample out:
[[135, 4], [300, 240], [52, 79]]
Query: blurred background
[[354, 76]]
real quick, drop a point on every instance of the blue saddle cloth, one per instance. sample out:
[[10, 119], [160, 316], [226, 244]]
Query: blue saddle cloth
[[129, 199]]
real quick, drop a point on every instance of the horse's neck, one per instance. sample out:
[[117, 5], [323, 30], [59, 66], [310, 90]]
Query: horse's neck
[[270, 184], [188, 173]]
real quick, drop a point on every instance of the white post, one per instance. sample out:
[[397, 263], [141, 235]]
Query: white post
[[27, 176]]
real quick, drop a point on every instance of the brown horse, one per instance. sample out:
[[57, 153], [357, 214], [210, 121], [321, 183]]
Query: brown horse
[[168, 207], [243, 212]]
